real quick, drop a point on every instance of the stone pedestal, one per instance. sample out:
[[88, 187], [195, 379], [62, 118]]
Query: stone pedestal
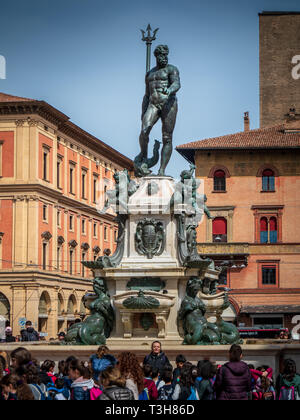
[[150, 202], [155, 274]]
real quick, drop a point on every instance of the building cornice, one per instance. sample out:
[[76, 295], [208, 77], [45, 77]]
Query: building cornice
[[64, 125], [58, 196]]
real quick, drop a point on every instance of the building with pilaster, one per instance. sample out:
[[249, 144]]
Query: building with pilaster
[[53, 176]]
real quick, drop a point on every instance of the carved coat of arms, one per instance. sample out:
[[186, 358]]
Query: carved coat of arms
[[150, 238]]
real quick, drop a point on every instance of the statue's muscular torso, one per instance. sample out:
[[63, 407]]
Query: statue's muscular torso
[[159, 79]]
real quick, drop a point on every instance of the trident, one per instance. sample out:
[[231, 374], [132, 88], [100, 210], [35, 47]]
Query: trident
[[148, 39]]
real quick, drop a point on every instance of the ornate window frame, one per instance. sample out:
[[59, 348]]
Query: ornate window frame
[[267, 211], [220, 211], [211, 174]]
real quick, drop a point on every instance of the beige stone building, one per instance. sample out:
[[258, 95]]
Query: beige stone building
[[53, 175]]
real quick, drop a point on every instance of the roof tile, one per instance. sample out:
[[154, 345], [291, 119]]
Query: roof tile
[[277, 136]]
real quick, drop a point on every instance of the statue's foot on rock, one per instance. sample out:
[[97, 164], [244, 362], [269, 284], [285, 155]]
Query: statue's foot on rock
[[162, 173]]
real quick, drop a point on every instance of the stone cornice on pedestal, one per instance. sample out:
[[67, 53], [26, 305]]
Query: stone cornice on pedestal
[[154, 271]]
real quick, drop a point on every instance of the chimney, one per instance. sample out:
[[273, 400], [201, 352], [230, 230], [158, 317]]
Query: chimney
[[246, 121], [291, 115]]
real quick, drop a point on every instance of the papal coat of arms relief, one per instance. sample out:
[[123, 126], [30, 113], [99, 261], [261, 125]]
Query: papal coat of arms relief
[[150, 237]]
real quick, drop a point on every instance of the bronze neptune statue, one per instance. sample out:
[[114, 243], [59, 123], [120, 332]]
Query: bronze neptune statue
[[160, 102]]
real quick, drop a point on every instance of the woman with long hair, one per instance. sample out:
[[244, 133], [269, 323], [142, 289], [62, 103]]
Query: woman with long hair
[[82, 384], [205, 387], [29, 374], [186, 385], [114, 386], [131, 370], [288, 382], [101, 361], [15, 389], [20, 356]]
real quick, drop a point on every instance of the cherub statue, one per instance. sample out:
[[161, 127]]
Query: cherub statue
[[124, 188], [186, 193]]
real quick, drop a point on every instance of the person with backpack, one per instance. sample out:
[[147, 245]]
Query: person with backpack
[[81, 382], [186, 390], [157, 378], [29, 333], [133, 373], [262, 383], [101, 361], [47, 372], [288, 383], [165, 392], [157, 358], [114, 386], [58, 391], [205, 386], [180, 361], [233, 380], [150, 390], [29, 374]]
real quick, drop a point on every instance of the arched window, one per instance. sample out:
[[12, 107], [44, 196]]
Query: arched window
[[44, 306], [263, 230], [273, 230], [60, 305], [268, 180], [219, 227], [72, 305], [268, 230], [82, 307], [4, 307], [219, 181]]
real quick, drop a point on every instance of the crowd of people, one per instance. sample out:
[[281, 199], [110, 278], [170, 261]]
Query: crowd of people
[[104, 377], [28, 333]]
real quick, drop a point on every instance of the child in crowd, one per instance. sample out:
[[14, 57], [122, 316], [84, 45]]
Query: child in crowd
[[29, 374], [156, 377], [205, 386], [180, 361], [15, 389], [59, 391], [288, 383], [47, 372], [263, 383], [101, 361], [82, 383], [149, 385], [114, 386], [165, 392]]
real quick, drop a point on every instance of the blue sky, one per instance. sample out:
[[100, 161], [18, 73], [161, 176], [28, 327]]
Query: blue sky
[[86, 58]]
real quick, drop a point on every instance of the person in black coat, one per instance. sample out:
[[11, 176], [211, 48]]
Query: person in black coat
[[29, 334], [157, 358], [9, 338]]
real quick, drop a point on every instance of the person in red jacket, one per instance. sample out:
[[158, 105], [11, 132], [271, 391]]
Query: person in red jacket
[[149, 383], [47, 372], [263, 379]]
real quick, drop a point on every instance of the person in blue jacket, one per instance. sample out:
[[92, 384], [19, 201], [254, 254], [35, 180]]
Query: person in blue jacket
[[101, 361]]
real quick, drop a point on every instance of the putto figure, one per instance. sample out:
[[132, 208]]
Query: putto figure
[[162, 83]]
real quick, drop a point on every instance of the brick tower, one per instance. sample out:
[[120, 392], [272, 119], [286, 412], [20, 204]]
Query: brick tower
[[279, 65]]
